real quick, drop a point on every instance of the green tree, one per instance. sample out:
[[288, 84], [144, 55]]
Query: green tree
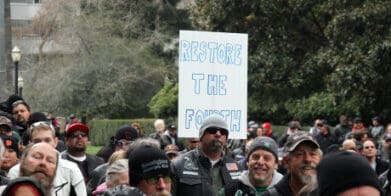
[[116, 56], [164, 103], [301, 50]]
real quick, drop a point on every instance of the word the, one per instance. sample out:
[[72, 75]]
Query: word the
[[215, 84]]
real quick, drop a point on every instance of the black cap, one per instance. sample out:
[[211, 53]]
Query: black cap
[[341, 171], [172, 127], [126, 132], [36, 117], [147, 161]]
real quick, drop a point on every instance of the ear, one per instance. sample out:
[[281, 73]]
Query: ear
[[285, 161], [276, 165], [55, 140]]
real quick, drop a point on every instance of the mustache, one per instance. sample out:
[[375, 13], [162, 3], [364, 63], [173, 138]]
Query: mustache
[[304, 166], [42, 170], [217, 140]]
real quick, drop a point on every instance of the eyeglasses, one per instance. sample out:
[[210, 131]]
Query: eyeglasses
[[155, 180], [368, 147], [213, 130], [77, 134], [40, 124]]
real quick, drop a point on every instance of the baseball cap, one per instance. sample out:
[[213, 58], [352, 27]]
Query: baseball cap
[[171, 126], [77, 127], [4, 121], [126, 132], [171, 149], [297, 138]]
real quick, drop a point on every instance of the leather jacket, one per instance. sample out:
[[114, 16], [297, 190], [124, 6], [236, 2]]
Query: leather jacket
[[192, 173]]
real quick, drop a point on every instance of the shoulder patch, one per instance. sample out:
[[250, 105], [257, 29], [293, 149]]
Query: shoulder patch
[[231, 166], [190, 165]]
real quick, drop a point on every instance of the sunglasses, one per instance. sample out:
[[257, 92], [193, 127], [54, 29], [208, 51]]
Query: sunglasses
[[77, 134], [155, 180], [121, 143], [194, 142], [213, 130], [41, 124]]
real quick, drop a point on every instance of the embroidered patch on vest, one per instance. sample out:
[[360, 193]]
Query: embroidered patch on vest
[[190, 173], [190, 165], [231, 166], [235, 175]]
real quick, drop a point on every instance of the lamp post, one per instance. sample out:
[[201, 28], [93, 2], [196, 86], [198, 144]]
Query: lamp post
[[20, 84], [16, 55]]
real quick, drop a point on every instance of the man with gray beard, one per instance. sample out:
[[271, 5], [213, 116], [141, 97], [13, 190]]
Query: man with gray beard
[[206, 169], [40, 162], [301, 156]]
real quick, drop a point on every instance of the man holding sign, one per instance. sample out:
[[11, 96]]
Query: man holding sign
[[206, 169]]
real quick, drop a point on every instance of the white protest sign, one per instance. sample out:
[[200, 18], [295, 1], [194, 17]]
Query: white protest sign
[[212, 80]]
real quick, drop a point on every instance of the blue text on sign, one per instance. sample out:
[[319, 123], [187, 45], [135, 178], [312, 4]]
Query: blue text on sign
[[215, 84], [212, 52], [195, 117]]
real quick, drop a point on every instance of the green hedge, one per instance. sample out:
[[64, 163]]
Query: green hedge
[[102, 130]]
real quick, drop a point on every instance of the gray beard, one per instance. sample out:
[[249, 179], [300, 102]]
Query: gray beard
[[308, 179], [215, 146]]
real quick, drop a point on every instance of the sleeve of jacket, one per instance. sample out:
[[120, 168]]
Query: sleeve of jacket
[[174, 182]]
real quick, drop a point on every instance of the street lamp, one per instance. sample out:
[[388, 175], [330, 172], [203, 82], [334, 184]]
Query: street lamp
[[20, 84], [16, 55]]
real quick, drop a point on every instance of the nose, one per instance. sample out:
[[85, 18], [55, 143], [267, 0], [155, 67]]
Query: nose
[[308, 157], [261, 161], [161, 185], [218, 132]]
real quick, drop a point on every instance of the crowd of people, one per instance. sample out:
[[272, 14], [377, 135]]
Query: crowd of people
[[36, 159]]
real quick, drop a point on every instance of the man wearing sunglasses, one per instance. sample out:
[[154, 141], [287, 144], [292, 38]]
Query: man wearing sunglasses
[[206, 169], [76, 139]]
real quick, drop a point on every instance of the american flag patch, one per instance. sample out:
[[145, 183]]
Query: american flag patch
[[231, 166]]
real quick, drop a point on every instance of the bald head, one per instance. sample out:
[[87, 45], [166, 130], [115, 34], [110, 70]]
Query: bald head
[[349, 145]]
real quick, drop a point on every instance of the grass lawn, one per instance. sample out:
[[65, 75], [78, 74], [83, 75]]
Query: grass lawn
[[93, 149]]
